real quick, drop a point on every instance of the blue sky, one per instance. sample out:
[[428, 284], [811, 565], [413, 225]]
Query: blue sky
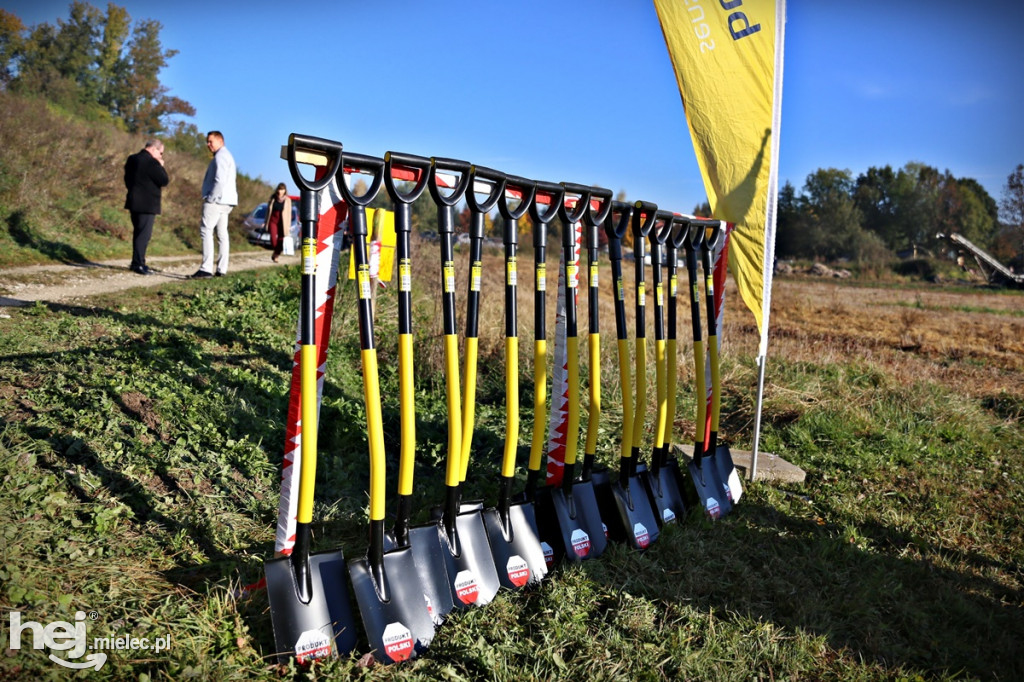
[[584, 91]]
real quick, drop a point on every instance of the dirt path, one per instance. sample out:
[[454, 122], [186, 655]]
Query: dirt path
[[24, 286]]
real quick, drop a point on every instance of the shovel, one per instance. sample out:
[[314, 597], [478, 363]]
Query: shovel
[[720, 454], [426, 549], [662, 486], [540, 222], [593, 222], [386, 584], [707, 489], [472, 577], [494, 181], [512, 527], [675, 241], [571, 519], [624, 503], [309, 605]]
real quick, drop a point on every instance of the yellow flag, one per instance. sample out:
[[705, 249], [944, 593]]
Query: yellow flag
[[727, 56]]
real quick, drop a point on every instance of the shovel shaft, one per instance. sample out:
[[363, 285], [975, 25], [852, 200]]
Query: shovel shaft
[[307, 476], [508, 462]]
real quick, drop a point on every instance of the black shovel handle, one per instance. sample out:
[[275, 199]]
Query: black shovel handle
[[596, 219], [497, 181], [555, 192], [680, 231], [616, 230], [421, 164], [658, 235], [582, 206], [527, 188], [644, 215], [452, 166], [366, 164], [308, 143]]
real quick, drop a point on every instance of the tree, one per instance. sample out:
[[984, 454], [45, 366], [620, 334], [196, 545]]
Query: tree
[[1012, 205], [11, 42], [144, 102]]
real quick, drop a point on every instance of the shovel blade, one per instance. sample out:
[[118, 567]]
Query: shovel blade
[[518, 555], [400, 628], [632, 519], [573, 528], [666, 498], [428, 557], [323, 627], [472, 576], [710, 495], [728, 474]]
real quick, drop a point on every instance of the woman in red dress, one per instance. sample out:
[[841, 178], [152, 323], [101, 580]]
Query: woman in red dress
[[279, 214]]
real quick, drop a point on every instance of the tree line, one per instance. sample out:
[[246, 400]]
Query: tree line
[[96, 64], [886, 211]]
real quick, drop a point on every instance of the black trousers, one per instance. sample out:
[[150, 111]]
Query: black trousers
[[142, 224]]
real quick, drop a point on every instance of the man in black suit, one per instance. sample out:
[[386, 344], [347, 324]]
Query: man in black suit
[[144, 178]]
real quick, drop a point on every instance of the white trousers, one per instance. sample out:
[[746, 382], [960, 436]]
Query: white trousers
[[215, 219]]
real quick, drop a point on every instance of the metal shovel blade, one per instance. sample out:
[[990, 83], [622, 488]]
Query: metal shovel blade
[[710, 494], [573, 527], [472, 576], [515, 546], [401, 627], [666, 499], [428, 554], [728, 474], [322, 627]]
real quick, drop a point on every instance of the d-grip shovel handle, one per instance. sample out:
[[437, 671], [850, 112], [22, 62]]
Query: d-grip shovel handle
[[453, 166], [644, 215], [556, 194], [616, 230], [420, 164], [595, 220], [497, 180], [680, 231], [582, 206], [308, 143], [366, 164], [527, 188]]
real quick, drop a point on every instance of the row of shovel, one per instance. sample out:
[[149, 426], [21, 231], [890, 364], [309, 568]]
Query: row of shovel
[[413, 577]]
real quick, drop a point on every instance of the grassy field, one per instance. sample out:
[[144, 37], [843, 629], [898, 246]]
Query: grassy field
[[140, 450]]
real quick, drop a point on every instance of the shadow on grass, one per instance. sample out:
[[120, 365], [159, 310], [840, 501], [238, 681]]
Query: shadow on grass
[[868, 602], [22, 234]]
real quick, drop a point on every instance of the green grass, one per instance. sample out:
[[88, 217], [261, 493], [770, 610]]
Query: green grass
[[140, 449]]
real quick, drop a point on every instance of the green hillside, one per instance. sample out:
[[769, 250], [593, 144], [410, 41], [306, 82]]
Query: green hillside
[[62, 192]]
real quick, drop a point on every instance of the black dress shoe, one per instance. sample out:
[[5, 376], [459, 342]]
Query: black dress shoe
[[218, 274], [141, 270], [200, 274]]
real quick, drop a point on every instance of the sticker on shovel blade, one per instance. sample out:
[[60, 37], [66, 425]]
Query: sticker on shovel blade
[[434, 615], [312, 644], [604, 527], [518, 570], [549, 554], [641, 535], [712, 508], [465, 587], [580, 542], [397, 641], [668, 516]]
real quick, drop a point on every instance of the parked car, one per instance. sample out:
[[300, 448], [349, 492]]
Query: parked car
[[253, 224]]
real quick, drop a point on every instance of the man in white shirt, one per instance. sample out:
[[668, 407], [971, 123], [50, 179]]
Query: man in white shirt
[[220, 195]]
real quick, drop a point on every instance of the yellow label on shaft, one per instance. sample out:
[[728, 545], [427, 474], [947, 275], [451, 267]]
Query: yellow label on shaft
[[510, 272], [363, 278], [474, 279], [593, 274], [658, 294], [309, 256], [695, 293], [673, 286], [709, 282], [404, 275], [449, 277], [620, 291], [542, 277], [572, 275], [641, 298]]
